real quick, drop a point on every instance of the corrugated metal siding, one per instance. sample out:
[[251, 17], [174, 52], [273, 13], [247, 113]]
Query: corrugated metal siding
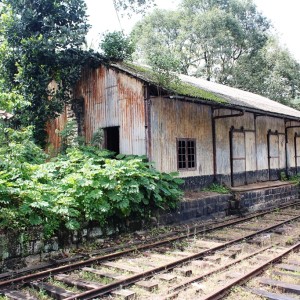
[[223, 142], [291, 162], [263, 124], [172, 119], [111, 99], [250, 151], [52, 129]]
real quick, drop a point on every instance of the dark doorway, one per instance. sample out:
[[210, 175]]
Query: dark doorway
[[112, 139]]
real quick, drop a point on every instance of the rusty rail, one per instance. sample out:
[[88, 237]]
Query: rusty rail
[[174, 291], [220, 293], [91, 294], [99, 259]]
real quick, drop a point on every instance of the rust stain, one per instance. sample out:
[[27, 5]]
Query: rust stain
[[111, 98], [52, 129]]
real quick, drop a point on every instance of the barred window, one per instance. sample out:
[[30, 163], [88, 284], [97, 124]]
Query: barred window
[[186, 154]]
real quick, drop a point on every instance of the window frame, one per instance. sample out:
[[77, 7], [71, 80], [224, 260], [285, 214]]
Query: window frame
[[186, 140]]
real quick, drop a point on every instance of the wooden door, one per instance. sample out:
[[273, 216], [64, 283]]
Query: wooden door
[[273, 155], [297, 152], [238, 157]]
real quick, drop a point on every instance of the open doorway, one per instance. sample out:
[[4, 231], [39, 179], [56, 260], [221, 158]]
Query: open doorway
[[112, 139]]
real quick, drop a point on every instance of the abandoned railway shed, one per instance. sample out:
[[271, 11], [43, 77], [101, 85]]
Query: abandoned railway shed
[[205, 131]]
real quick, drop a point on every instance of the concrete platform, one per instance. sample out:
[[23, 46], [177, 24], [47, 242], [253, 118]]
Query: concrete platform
[[260, 185], [203, 205]]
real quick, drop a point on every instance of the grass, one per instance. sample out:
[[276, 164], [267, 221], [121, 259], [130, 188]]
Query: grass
[[41, 295], [63, 285], [217, 188], [94, 277]]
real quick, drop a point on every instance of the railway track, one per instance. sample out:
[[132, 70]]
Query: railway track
[[167, 268]]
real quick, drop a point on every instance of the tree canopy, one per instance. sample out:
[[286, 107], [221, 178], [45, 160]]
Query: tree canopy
[[42, 42], [223, 41], [207, 36]]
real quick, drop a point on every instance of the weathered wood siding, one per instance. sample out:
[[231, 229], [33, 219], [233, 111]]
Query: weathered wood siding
[[173, 119], [111, 98]]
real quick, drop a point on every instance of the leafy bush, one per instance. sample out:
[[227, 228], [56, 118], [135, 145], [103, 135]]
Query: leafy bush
[[217, 188], [84, 185], [117, 47]]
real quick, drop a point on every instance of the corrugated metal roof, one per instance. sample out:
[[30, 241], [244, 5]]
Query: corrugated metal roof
[[232, 96], [242, 98]]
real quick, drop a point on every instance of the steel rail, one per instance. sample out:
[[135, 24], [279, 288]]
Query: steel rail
[[91, 294], [99, 259], [80, 264], [220, 293], [175, 290]]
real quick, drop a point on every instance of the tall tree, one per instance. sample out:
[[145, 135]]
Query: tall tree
[[227, 41], [271, 72], [208, 36], [42, 42], [136, 6]]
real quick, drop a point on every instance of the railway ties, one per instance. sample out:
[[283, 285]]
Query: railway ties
[[282, 282], [190, 260]]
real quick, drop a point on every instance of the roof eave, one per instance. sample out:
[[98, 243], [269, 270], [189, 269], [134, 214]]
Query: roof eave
[[232, 106]]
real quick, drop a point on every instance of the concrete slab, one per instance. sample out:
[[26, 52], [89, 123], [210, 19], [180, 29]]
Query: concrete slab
[[259, 185]]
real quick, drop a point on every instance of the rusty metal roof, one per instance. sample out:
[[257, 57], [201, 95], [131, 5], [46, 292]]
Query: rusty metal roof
[[223, 94]]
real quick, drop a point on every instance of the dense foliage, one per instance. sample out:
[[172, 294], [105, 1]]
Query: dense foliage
[[84, 185], [206, 36], [116, 46], [41, 43], [226, 41]]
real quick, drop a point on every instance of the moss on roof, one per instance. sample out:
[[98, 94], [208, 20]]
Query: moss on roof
[[177, 87], [187, 89]]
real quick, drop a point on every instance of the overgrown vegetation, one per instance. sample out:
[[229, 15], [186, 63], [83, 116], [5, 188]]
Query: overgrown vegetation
[[226, 41], [82, 186], [116, 46], [41, 56], [170, 81], [217, 188]]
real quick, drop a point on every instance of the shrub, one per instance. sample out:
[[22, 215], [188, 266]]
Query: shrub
[[83, 185], [117, 47]]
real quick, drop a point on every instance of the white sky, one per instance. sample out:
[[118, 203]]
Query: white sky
[[283, 14]]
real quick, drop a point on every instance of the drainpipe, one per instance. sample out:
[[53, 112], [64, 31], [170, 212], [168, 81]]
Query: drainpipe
[[286, 142], [213, 119], [147, 107]]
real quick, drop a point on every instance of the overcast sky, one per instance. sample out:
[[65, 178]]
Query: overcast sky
[[284, 14]]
